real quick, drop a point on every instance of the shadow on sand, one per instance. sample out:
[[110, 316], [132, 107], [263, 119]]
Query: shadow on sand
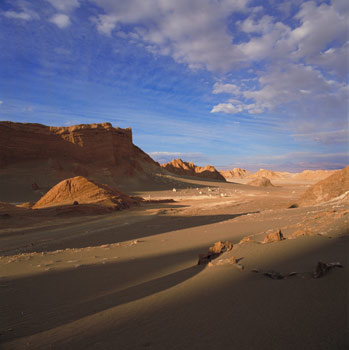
[[109, 230]]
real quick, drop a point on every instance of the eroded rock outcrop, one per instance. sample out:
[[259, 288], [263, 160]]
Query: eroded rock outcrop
[[261, 182], [213, 252], [235, 173], [177, 166]]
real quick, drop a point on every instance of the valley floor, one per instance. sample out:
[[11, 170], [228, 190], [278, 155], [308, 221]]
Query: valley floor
[[130, 279]]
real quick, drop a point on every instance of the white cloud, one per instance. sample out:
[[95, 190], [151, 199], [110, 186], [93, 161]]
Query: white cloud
[[60, 20], [312, 101], [250, 25], [25, 13], [219, 88], [64, 5], [1, 102], [320, 25], [192, 32], [227, 108]]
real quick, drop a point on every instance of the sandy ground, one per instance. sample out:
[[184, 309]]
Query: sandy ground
[[130, 279]]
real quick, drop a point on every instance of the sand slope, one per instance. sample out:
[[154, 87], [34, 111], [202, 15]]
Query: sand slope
[[333, 186]]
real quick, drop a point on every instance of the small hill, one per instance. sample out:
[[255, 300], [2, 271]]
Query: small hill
[[261, 182], [314, 175], [177, 166], [83, 191], [332, 187], [235, 173]]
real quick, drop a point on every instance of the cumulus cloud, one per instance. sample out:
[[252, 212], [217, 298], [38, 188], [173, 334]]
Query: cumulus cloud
[[60, 20], [304, 73], [307, 95], [192, 32]]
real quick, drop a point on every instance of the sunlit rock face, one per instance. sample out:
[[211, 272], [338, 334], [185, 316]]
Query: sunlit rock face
[[177, 166]]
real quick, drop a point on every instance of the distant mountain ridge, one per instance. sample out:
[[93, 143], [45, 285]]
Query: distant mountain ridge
[[314, 175]]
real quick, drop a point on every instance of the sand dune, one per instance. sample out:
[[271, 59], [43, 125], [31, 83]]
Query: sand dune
[[79, 190]]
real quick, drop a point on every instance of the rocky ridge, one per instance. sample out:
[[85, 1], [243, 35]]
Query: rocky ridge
[[179, 167]]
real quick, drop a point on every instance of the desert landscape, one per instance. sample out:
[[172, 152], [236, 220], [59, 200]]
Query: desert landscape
[[174, 175], [101, 247]]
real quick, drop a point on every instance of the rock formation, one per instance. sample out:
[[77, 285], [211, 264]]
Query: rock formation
[[44, 155], [177, 166], [276, 236], [79, 190], [261, 182], [235, 173], [332, 187]]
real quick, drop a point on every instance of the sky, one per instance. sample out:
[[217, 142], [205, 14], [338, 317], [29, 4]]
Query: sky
[[231, 83]]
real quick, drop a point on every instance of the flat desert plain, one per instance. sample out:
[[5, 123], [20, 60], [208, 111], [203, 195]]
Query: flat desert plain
[[130, 279]]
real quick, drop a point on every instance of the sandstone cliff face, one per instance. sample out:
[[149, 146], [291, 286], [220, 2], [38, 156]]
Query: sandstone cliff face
[[332, 187], [177, 166], [38, 154], [90, 145]]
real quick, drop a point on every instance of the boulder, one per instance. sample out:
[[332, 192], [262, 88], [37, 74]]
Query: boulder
[[276, 236]]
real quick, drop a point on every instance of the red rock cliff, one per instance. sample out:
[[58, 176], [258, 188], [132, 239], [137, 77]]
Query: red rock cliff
[[44, 155], [90, 144]]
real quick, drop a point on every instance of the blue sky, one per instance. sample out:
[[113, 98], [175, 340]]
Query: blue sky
[[231, 83]]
